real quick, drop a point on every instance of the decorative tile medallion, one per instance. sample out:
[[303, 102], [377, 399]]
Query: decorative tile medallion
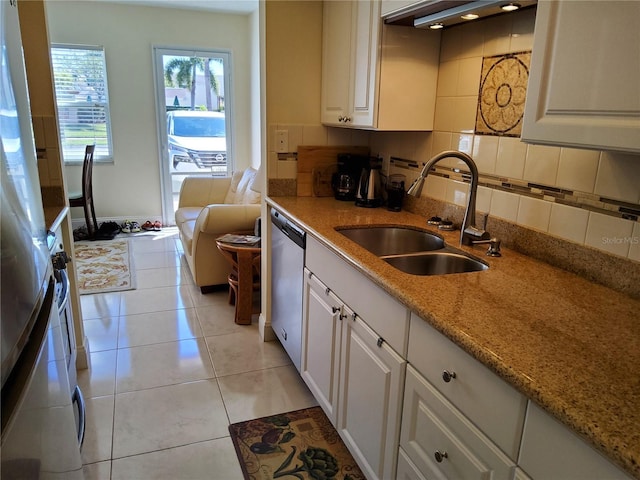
[[503, 89]]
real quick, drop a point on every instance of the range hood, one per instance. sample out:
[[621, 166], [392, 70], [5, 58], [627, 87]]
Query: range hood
[[446, 13]]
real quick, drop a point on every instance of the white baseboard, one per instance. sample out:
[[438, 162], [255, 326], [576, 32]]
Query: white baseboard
[[266, 332]]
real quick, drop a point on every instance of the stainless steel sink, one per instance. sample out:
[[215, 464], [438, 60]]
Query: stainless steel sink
[[413, 251], [383, 241], [436, 263]]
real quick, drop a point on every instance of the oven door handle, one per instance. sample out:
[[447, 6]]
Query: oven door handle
[[78, 399]]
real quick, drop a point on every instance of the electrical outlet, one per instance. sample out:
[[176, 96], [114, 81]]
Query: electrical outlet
[[282, 141]]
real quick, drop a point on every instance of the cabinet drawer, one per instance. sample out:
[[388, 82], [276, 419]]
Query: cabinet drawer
[[388, 318], [442, 442], [487, 400], [551, 450]]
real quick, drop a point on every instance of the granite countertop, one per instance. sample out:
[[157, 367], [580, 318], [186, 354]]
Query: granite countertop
[[568, 344]]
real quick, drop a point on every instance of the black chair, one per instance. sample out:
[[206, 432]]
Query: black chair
[[85, 199]]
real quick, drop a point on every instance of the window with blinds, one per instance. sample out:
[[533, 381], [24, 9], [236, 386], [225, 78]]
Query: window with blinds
[[80, 77]]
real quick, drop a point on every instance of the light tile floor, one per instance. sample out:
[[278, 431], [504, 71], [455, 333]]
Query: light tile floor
[[170, 370]]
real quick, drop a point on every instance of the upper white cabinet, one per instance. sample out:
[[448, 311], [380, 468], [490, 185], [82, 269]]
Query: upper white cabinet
[[336, 66], [376, 76], [390, 6], [584, 83]]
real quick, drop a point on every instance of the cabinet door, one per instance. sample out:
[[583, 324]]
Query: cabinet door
[[336, 61], [321, 332], [364, 76], [585, 76], [370, 399]]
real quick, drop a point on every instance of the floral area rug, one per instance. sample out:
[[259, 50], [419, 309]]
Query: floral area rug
[[104, 266], [301, 444]]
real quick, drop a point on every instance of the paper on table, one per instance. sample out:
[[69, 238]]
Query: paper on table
[[239, 239]]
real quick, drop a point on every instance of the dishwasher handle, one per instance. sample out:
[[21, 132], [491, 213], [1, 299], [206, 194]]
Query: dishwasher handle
[[290, 229]]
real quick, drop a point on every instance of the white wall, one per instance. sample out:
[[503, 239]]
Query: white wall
[[130, 186], [256, 90]]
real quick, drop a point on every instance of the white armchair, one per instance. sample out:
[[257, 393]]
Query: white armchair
[[208, 208]]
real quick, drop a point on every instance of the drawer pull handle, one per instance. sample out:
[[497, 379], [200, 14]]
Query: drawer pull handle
[[327, 291], [335, 309], [440, 456], [447, 376]]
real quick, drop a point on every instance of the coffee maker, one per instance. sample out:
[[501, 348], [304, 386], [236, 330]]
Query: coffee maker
[[345, 181], [369, 192]]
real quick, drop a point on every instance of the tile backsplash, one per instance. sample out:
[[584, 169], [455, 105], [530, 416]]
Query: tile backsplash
[[590, 198]]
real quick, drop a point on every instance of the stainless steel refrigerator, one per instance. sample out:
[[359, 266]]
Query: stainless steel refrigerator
[[38, 436]]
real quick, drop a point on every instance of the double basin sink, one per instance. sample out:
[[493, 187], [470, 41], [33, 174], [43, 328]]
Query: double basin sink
[[413, 251]]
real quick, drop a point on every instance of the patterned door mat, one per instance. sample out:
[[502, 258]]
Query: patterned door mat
[[301, 444]]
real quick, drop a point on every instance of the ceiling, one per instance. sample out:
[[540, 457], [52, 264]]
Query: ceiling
[[227, 6]]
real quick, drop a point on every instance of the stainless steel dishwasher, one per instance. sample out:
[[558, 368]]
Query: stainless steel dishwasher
[[288, 242]]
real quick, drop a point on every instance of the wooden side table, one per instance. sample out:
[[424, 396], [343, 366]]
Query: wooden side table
[[244, 278]]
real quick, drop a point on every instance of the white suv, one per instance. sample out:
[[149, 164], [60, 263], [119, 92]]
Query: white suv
[[197, 136]]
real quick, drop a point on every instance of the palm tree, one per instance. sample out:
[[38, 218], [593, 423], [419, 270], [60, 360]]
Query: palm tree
[[214, 81], [207, 81], [185, 76]]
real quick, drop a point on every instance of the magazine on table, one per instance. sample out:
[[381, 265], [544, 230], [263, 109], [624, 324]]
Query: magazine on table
[[248, 240]]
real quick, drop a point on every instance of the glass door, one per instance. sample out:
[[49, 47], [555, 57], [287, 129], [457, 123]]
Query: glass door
[[194, 118]]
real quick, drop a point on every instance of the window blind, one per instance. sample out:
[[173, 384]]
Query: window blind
[[82, 99]]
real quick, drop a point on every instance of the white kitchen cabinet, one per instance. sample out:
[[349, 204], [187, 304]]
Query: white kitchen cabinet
[[459, 419], [383, 313], [336, 65], [376, 76], [550, 450], [389, 7], [343, 356], [321, 340], [483, 397], [442, 442], [584, 81], [370, 397]]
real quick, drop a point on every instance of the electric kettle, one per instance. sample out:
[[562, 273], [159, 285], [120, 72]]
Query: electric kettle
[[369, 192]]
